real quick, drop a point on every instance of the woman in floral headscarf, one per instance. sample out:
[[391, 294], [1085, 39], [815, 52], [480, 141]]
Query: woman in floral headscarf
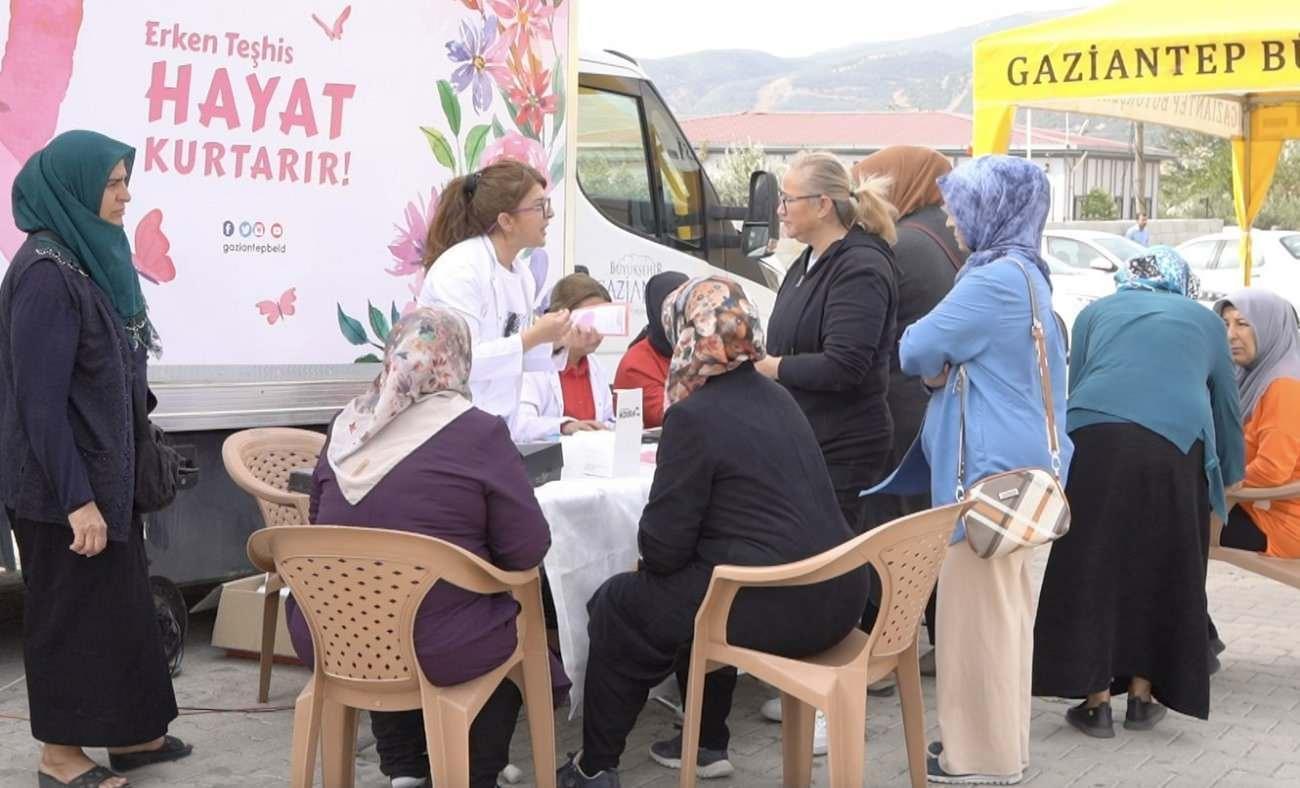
[[1157, 434], [740, 480], [412, 454], [997, 205]]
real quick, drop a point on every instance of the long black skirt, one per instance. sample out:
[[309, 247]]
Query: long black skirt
[[96, 672], [1124, 592]]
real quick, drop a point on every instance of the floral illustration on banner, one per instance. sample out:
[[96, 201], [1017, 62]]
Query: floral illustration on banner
[[505, 99]]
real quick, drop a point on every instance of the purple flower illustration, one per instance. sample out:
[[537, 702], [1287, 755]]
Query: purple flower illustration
[[483, 58], [408, 247]]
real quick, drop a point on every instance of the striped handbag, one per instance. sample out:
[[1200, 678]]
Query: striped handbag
[[1025, 507]]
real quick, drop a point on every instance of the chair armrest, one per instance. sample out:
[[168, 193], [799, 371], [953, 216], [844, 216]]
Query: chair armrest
[[1285, 492]]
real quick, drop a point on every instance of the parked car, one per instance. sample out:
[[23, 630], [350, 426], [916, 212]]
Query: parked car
[[1216, 259], [1091, 249], [1073, 288]]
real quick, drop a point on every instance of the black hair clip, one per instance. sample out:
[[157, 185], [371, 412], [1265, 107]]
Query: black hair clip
[[471, 184]]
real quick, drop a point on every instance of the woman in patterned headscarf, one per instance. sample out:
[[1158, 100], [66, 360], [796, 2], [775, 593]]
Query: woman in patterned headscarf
[[1157, 434], [740, 480], [997, 205], [413, 454]]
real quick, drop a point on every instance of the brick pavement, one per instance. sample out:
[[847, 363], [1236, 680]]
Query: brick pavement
[[1252, 739]]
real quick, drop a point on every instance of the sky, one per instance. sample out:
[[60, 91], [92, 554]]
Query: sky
[[662, 28]]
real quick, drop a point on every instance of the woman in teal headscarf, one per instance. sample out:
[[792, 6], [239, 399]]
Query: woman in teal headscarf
[[1154, 416], [74, 335]]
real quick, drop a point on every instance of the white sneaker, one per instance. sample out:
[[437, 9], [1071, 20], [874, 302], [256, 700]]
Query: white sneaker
[[410, 782], [771, 711]]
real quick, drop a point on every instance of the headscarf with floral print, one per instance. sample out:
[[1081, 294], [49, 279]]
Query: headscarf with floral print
[[713, 328], [423, 386], [1161, 269]]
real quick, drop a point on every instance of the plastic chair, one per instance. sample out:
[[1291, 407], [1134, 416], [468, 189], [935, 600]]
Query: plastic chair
[[907, 554], [360, 589], [1283, 570], [259, 462]]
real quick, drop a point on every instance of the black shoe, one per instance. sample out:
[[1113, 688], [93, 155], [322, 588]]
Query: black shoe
[[172, 749], [1212, 660], [708, 763], [570, 776], [1218, 646], [1095, 722], [1143, 714]]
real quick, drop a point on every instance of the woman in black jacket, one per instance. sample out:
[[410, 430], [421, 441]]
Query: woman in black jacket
[[734, 448], [831, 335], [74, 333]]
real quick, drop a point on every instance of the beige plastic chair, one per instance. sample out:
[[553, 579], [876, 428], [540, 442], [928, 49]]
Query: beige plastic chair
[[907, 554], [360, 589], [1283, 570], [259, 462]]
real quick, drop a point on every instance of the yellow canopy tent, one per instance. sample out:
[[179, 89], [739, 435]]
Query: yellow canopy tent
[[1230, 69]]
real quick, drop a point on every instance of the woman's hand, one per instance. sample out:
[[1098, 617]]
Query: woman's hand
[[938, 381], [570, 427], [768, 366], [89, 531], [549, 328], [1234, 489], [582, 341]]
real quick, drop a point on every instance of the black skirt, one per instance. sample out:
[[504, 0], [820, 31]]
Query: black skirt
[[1124, 591], [92, 647]]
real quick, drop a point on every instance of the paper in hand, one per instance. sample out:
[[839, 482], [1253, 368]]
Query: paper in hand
[[608, 320]]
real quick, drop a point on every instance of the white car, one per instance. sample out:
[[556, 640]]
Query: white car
[[1091, 250], [1216, 259], [1074, 288]]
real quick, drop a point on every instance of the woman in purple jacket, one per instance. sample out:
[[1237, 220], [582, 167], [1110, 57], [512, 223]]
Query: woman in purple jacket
[[412, 454]]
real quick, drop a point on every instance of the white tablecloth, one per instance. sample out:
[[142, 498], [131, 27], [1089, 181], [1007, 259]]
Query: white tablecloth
[[593, 537]]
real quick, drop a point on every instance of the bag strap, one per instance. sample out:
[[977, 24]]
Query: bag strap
[[952, 258], [1045, 387]]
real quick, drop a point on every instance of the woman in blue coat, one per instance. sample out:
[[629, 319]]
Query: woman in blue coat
[[998, 206]]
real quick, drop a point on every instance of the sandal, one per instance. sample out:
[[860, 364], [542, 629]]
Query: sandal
[[172, 749], [91, 778]]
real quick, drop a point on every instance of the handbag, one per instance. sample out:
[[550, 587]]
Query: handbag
[[1020, 508], [158, 467]]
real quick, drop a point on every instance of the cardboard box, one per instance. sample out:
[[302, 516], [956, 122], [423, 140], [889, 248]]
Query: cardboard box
[[239, 618]]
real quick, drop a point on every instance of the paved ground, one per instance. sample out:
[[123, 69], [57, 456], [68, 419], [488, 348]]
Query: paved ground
[[1252, 738]]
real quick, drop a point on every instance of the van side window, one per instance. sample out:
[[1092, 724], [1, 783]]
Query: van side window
[[612, 163], [682, 187]]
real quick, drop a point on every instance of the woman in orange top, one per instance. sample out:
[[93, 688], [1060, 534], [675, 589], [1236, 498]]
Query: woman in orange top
[[1262, 335], [645, 364]]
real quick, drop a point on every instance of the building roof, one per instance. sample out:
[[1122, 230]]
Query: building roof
[[949, 132]]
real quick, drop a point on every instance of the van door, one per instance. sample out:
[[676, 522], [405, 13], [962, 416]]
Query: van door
[[644, 202]]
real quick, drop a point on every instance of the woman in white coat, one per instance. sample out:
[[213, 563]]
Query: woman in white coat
[[484, 220], [578, 397]]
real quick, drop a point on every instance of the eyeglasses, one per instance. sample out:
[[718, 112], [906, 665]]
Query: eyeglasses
[[543, 205], [786, 199]]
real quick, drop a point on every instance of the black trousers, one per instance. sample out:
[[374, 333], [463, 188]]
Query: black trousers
[[1241, 533], [641, 627], [403, 752]]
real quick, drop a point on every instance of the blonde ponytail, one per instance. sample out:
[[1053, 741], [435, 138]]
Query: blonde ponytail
[[875, 213], [867, 206]]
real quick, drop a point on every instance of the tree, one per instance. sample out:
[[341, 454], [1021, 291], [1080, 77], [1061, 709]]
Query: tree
[[734, 169], [1098, 204], [1198, 183]]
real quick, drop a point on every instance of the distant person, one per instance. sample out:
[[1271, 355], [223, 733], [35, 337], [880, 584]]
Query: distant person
[[1157, 434], [645, 364], [1139, 233], [1266, 348]]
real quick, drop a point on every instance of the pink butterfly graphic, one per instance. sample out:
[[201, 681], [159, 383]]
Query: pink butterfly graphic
[[275, 310], [151, 247], [334, 32]]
